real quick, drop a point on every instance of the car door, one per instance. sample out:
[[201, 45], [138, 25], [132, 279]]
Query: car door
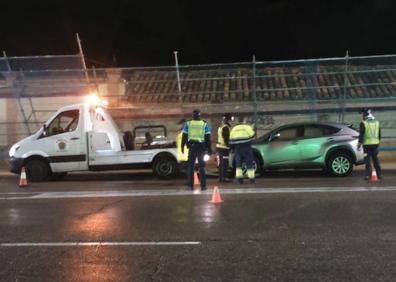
[[282, 147], [64, 141], [312, 145]]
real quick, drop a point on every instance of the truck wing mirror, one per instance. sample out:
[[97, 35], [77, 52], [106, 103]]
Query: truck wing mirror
[[45, 130]]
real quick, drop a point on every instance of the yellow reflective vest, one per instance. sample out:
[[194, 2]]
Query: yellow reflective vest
[[241, 133], [371, 132], [196, 130], [220, 140], [181, 157]]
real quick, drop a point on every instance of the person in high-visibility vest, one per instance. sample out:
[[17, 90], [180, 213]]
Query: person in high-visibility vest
[[196, 135], [370, 137], [241, 140], [223, 146], [182, 157]]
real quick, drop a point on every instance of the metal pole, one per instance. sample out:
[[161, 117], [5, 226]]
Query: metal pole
[[95, 79], [18, 98], [82, 58], [254, 92], [177, 72], [346, 84], [6, 60]]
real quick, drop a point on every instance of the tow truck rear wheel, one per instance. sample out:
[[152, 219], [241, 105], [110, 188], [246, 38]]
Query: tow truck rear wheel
[[37, 170], [165, 167]]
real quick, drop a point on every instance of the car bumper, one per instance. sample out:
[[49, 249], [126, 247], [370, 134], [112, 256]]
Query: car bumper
[[359, 162], [15, 165]]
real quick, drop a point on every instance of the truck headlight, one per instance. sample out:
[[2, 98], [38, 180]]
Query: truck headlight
[[13, 149], [206, 157]]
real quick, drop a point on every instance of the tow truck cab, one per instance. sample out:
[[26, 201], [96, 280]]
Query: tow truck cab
[[84, 137]]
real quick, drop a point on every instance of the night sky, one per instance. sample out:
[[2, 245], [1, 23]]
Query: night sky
[[145, 33]]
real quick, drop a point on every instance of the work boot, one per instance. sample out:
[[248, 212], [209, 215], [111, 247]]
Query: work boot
[[203, 188], [240, 180], [366, 177], [252, 181], [188, 188]]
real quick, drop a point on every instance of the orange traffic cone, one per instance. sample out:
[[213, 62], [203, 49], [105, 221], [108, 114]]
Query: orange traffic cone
[[196, 179], [216, 198], [23, 181], [374, 177]]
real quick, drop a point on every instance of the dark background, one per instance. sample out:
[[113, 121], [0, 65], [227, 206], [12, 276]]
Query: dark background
[[143, 33]]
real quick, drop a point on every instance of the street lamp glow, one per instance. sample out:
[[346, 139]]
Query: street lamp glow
[[92, 99]]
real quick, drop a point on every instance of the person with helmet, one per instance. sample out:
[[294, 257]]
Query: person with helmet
[[182, 157], [196, 135], [223, 146], [370, 137], [241, 140]]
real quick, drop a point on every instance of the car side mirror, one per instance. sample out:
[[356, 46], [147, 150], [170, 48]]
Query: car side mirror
[[275, 136], [45, 130]]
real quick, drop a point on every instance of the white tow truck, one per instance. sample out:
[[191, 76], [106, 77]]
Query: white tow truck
[[84, 137]]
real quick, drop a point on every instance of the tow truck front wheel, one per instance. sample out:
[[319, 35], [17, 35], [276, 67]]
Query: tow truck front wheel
[[37, 170], [165, 167]]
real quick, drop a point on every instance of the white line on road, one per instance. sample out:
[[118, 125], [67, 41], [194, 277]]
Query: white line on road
[[152, 193], [88, 244]]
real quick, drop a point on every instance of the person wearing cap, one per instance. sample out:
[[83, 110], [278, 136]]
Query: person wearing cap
[[223, 146], [182, 157], [370, 137], [241, 141], [196, 135]]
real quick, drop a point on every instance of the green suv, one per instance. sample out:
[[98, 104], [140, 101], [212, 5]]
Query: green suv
[[328, 146]]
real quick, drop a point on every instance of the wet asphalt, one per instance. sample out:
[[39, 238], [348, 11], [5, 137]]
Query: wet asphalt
[[179, 236]]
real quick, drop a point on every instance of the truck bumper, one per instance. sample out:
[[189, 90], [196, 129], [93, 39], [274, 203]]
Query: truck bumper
[[15, 165]]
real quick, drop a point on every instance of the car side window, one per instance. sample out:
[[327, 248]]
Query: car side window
[[64, 122], [330, 130], [313, 131], [289, 133]]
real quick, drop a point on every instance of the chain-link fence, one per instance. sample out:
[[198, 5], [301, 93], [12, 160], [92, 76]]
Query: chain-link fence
[[271, 93]]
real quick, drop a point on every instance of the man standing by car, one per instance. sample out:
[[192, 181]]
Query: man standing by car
[[223, 146], [196, 134], [369, 137], [241, 141]]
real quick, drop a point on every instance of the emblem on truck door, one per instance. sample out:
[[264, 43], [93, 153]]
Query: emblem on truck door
[[61, 144]]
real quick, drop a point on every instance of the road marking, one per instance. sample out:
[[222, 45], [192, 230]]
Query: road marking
[[89, 244], [153, 193]]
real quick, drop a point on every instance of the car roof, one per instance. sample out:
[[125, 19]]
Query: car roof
[[315, 123]]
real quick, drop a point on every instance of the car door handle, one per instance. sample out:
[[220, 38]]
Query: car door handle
[[330, 139], [75, 138]]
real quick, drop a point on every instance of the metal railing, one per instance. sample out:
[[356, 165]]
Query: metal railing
[[344, 83]]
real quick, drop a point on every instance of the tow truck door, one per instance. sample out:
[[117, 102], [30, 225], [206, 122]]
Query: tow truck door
[[64, 141]]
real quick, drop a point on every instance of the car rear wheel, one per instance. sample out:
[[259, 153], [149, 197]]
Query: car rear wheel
[[37, 170], [165, 167], [340, 164]]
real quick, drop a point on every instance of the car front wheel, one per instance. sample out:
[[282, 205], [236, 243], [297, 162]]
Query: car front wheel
[[340, 164]]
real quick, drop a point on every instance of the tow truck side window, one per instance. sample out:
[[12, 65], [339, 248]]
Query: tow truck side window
[[64, 122]]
